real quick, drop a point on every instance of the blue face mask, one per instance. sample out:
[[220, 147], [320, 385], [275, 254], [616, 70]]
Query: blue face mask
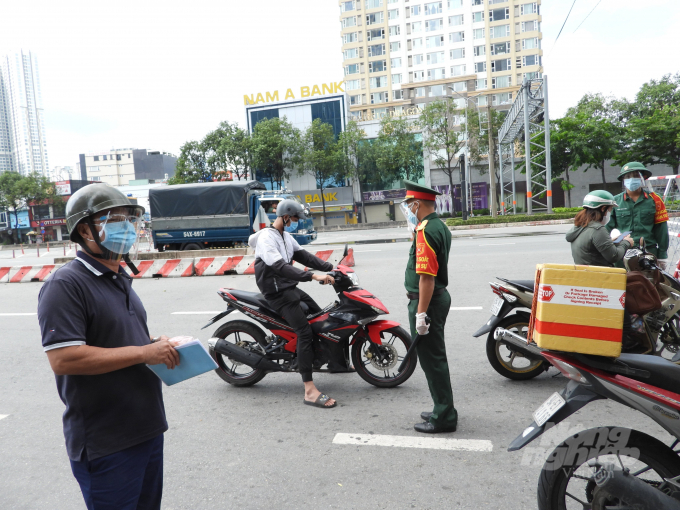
[[119, 237], [292, 227], [633, 184]]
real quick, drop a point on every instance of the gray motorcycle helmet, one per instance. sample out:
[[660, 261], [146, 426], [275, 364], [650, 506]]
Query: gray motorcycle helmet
[[290, 207]]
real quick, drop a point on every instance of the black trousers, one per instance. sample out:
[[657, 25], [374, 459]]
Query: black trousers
[[287, 303]]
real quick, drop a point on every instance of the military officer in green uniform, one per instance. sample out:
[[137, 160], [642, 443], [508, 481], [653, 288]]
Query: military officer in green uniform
[[641, 212], [426, 281]]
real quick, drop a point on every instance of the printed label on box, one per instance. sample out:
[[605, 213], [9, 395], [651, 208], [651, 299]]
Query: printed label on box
[[582, 296]]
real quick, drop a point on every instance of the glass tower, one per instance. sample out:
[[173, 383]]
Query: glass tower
[[23, 145]]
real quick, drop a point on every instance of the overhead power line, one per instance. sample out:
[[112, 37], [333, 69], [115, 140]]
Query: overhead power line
[[565, 22], [584, 20]]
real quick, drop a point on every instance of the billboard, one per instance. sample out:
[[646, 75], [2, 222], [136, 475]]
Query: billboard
[[63, 187]]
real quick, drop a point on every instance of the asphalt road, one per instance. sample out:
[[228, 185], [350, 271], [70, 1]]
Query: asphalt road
[[260, 447]]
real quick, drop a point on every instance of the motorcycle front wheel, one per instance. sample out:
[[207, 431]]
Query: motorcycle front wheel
[[509, 363], [245, 335], [379, 364], [567, 479]]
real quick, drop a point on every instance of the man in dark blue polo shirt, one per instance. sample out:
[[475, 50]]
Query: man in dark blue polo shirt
[[94, 332]]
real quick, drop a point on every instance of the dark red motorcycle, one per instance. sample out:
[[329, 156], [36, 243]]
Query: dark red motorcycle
[[245, 353]]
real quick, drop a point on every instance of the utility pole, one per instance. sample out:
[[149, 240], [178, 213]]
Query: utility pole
[[492, 170], [463, 187]]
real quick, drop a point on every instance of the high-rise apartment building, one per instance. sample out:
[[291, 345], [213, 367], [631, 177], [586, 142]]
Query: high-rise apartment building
[[400, 53], [23, 145]]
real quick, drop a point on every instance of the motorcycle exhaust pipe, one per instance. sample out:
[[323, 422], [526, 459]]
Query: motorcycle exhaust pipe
[[632, 490], [519, 342], [241, 355]]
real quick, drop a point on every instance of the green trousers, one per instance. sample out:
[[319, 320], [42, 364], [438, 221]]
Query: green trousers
[[431, 350]]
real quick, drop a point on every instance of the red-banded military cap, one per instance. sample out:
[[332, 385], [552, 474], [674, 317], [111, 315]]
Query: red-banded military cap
[[418, 191]]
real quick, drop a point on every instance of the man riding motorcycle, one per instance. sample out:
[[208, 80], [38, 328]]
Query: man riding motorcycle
[[277, 279]]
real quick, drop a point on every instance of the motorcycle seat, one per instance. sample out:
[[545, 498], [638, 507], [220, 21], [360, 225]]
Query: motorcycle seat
[[525, 285], [253, 298], [257, 299], [663, 373]]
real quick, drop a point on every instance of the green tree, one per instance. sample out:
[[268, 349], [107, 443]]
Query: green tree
[[354, 157], [320, 157], [275, 148], [17, 191], [191, 165], [399, 152], [214, 146], [652, 122], [237, 148], [595, 132], [441, 122]]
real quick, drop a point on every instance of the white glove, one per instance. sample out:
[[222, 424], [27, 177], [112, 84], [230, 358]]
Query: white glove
[[422, 327], [662, 263], [615, 234]]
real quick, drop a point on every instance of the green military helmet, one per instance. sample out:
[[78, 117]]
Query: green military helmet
[[92, 199], [598, 198], [632, 167]]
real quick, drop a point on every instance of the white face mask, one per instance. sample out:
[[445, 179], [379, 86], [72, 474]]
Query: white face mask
[[607, 217]]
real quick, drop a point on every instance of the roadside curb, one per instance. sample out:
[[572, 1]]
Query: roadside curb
[[513, 224]]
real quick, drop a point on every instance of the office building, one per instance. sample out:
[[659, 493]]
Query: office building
[[119, 167], [23, 144], [399, 53], [329, 107]]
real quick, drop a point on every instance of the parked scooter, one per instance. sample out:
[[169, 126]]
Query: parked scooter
[[609, 467], [245, 353], [511, 310], [658, 331]]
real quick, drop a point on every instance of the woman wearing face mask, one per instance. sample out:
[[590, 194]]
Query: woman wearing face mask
[[591, 244]]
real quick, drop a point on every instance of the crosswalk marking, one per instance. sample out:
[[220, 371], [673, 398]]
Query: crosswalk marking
[[466, 445], [3, 416]]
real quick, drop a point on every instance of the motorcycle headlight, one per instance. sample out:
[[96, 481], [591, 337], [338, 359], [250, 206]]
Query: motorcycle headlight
[[302, 232], [354, 277]]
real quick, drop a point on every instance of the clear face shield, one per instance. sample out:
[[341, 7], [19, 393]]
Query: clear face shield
[[119, 231], [411, 218]]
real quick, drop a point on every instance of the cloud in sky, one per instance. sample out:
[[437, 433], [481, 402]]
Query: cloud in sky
[[154, 75]]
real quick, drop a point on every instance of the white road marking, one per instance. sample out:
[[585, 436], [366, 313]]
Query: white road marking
[[365, 251], [497, 244], [16, 314], [3, 416], [196, 313], [466, 445], [466, 308]]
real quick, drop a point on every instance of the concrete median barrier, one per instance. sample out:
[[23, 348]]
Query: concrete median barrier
[[173, 268], [163, 268], [22, 274]]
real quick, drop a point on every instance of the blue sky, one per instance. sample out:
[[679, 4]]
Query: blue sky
[[154, 75]]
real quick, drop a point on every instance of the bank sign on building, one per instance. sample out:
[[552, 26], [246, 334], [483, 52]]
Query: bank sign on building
[[300, 106]]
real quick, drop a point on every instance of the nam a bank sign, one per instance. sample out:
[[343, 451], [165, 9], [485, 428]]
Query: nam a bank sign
[[315, 90]]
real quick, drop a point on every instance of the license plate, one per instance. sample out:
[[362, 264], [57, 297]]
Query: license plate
[[497, 305], [548, 409]]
